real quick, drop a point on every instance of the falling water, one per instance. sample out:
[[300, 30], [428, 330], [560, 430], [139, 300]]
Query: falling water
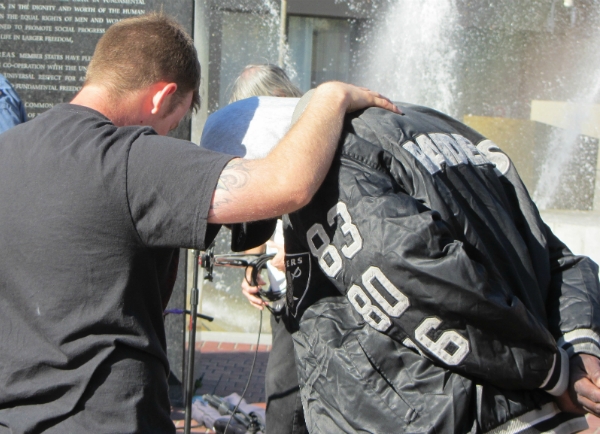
[[554, 181], [561, 151], [492, 61], [253, 37], [413, 53]]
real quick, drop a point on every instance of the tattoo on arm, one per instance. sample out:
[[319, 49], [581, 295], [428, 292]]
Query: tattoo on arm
[[234, 176], [215, 205]]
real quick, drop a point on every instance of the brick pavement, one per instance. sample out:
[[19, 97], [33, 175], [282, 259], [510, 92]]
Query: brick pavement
[[226, 368]]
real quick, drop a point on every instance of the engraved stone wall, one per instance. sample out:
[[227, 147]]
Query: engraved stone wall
[[45, 45]]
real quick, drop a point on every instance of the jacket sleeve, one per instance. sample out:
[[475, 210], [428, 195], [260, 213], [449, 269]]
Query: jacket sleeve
[[573, 299], [570, 282], [12, 110], [407, 276]]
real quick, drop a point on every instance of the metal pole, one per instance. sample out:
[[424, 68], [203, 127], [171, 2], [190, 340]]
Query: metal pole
[[191, 346], [282, 30]]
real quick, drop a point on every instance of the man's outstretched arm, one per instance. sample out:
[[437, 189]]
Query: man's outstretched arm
[[290, 175]]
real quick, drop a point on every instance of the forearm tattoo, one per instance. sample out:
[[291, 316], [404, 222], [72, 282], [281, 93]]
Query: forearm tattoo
[[234, 176]]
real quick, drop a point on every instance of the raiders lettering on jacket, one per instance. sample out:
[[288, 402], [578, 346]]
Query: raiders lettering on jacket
[[289, 263], [450, 347], [436, 151]]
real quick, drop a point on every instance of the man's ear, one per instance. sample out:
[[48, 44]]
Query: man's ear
[[162, 93]]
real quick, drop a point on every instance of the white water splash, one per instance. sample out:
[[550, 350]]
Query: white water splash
[[561, 151], [414, 55], [564, 143], [273, 22]]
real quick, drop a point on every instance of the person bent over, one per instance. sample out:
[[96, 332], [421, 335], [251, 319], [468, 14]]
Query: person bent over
[[426, 293]]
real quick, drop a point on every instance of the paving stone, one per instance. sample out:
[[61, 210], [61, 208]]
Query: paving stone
[[226, 368]]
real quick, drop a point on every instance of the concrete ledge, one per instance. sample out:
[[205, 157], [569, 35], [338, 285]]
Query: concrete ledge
[[237, 338], [581, 117]]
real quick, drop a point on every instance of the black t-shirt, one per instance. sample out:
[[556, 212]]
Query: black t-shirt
[[90, 215]]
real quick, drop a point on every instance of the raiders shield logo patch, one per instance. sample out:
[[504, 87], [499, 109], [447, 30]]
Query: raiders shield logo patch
[[298, 271]]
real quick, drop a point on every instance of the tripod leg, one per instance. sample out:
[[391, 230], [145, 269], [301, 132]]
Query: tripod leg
[[189, 385]]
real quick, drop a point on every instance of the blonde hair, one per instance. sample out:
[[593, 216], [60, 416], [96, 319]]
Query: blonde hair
[[263, 80], [140, 51]]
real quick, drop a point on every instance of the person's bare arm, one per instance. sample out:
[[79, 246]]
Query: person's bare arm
[[290, 175]]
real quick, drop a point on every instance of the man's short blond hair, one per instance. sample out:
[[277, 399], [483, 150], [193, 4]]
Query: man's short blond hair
[[140, 51]]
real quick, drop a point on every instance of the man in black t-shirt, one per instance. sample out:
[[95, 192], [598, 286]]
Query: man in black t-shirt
[[95, 201]]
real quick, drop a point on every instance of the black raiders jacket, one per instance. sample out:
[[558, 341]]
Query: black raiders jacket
[[422, 269]]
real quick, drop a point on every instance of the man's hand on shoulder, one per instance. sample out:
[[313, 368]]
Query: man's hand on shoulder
[[289, 176], [357, 98], [583, 393]]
